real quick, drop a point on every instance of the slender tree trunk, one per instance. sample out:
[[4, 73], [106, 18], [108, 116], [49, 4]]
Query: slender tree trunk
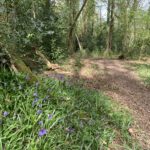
[[125, 26], [111, 24], [79, 43], [71, 34], [108, 12]]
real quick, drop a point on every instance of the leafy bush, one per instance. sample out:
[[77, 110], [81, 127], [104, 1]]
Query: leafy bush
[[35, 26]]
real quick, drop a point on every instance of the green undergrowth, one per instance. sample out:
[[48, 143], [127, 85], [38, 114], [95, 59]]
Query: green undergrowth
[[55, 115], [144, 72], [98, 54]]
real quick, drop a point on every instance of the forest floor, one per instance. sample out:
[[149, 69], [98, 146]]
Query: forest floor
[[117, 80]]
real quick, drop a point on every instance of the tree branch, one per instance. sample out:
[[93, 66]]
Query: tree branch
[[78, 15]]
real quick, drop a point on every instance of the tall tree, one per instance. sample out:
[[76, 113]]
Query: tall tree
[[72, 25], [88, 16], [110, 20]]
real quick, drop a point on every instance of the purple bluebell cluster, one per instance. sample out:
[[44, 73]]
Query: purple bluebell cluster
[[35, 101], [39, 112], [50, 116], [42, 132], [35, 94], [41, 123], [39, 104], [5, 113]]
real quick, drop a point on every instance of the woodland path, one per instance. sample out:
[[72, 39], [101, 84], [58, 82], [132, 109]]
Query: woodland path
[[118, 81]]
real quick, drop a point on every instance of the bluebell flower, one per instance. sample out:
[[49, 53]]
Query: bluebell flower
[[50, 116], [40, 105], [41, 123], [39, 112], [5, 114], [35, 94], [47, 97], [33, 104], [42, 132], [35, 101]]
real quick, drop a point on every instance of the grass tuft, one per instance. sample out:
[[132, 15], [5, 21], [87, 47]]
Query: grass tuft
[[144, 72]]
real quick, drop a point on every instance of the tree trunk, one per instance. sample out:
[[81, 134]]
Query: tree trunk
[[20, 66], [80, 46], [111, 24], [71, 34], [46, 61], [125, 27], [108, 12]]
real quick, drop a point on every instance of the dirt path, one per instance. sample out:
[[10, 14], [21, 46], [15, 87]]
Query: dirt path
[[120, 83]]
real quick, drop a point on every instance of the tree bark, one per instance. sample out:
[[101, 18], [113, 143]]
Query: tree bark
[[46, 61], [108, 12], [20, 66], [111, 24], [125, 28], [71, 35], [80, 46]]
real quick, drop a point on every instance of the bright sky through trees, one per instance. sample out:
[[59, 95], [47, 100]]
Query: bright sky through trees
[[145, 4]]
